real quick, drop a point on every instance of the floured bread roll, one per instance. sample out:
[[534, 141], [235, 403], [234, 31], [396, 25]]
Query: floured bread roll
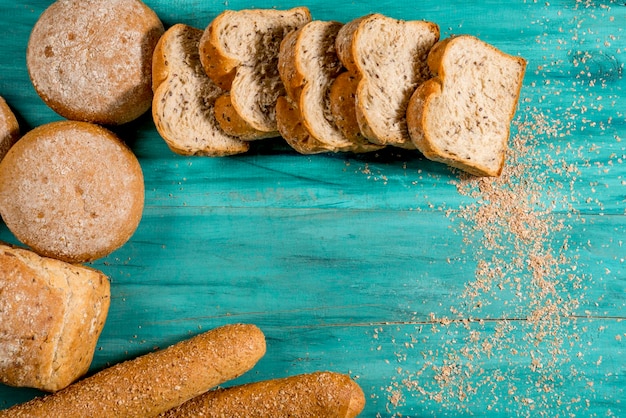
[[91, 60], [51, 315], [71, 190]]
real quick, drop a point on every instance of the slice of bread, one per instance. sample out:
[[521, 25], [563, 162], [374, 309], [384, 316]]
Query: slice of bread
[[184, 98], [462, 117], [388, 57], [51, 316], [308, 65], [9, 128], [239, 51]]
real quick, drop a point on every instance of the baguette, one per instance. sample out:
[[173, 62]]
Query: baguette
[[322, 394], [51, 315], [308, 64], [239, 51], [462, 116], [184, 98], [388, 58], [156, 382], [9, 128]]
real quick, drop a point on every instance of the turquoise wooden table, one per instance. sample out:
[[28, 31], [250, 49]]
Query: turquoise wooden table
[[442, 295]]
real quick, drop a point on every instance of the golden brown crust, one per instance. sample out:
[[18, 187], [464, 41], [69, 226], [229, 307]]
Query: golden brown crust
[[156, 382], [342, 99], [91, 61], [415, 114], [9, 128], [71, 190], [292, 129], [51, 315], [217, 64], [233, 124], [321, 394]]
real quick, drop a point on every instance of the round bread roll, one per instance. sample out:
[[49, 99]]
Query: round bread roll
[[91, 60], [71, 190], [9, 128]]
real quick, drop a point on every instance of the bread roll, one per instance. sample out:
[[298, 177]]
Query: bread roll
[[71, 190], [155, 382], [90, 60], [51, 315], [322, 394], [462, 116], [9, 128]]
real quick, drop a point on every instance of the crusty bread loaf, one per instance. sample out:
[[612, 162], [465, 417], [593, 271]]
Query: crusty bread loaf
[[388, 57], [51, 315], [184, 98], [308, 64], [9, 128], [90, 60], [156, 382], [322, 394], [71, 190], [462, 117], [239, 51]]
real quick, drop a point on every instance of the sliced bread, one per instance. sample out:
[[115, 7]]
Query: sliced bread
[[308, 65], [388, 57], [239, 51], [184, 98], [462, 116]]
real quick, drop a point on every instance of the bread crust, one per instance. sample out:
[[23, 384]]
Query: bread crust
[[320, 394], [9, 128], [91, 60], [156, 382], [51, 315], [183, 108], [424, 98], [71, 190]]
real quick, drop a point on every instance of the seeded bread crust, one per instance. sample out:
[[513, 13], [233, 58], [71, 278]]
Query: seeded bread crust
[[320, 394], [239, 51], [462, 116], [184, 98], [51, 315], [90, 60], [388, 57], [9, 128]]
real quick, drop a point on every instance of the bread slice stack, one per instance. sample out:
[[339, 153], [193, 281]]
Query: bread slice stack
[[325, 86]]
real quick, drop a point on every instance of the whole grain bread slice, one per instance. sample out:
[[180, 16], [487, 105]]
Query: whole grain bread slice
[[308, 65], [462, 116], [184, 98], [239, 51], [388, 57]]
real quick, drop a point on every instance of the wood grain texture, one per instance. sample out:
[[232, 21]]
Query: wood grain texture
[[379, 265]]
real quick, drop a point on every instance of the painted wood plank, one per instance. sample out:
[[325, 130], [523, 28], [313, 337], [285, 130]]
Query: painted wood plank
[[379, 265]]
